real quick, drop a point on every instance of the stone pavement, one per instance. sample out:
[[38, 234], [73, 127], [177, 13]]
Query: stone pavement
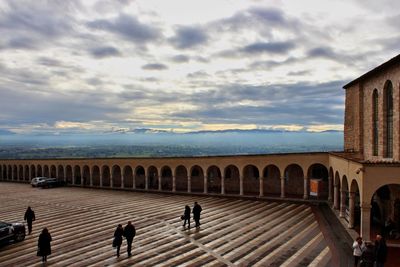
[[234, 232]]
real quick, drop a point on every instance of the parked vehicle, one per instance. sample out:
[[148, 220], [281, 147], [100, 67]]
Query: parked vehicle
[[11, 232], [50, 182], [37, 180]]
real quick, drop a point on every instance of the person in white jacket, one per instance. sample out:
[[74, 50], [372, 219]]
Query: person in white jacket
[[358, 249]]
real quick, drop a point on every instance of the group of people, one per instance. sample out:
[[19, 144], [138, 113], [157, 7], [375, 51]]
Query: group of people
[[44, 247], [128, 232], [196, 215], [367, 254]]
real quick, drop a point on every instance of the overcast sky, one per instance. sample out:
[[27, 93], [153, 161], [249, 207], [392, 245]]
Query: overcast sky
[[99, 66]]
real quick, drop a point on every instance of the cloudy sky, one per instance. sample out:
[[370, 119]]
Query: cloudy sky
[[100, 66]]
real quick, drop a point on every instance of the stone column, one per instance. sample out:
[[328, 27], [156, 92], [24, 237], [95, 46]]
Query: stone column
[[91, 177], [12, 173], [159, 182], [146, 181], [65, 174], [101, 176], [223, 184], [241, 178], [111, 178], [82, 178], [305, 189], [342, 203], [336, 197], [205, 185], [189, 183], [330, 182], [365, 221], [73, 176], [283, 187], [133, 179], [352, 204], [174, 183], [122, 179], [261, 180]]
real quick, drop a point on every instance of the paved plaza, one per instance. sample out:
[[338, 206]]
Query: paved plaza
[[233, 232]]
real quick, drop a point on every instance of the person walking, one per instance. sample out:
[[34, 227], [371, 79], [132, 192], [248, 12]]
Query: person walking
[[186, 216], [129, 233], [29, 217], [380, 251], [44, 247], [196, 213], [358, 249], [117, 242]]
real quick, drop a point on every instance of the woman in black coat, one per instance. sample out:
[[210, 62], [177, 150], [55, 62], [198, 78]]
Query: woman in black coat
[[44, 248], [117, 242], [186, 216]]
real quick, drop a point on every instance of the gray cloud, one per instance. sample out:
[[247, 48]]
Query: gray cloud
[[128, 27], [154, 66], [270, 47], [180, 59], [189, 37], [104, 51]]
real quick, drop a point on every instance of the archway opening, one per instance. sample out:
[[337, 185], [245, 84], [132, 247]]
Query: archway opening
[[68, 174], [86, 175], [213, 180], [272, 181], [153, 177], [106, 176], [166, 178], [26, 173], [197, 179], [385, 212], [294, 181], [116, 174], [53, 172], [128, 177], [77, 175], [318, 174], [96, 175], [61, 173], [20, 173], [232, 180], [181, 178], [140, 178], [251, 180]]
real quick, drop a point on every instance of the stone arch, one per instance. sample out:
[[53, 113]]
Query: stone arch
[[336, 191], [33, 171], [53, 172], [15, 172], [232, 179], [26, 173], [77, 175], [116, 176], [213, 179], [197, 179], [20, 173], [68, 174], [319, 172], [140, 177], [344, 201], [86, 175], [354, 208], [166, 178], [294, 181], [128, 177], [61, 173], [181, 178], [385, 210], [46, 172], [96, 175], [251, 180], [272, 180], [39, 171], [105, 176], [152, 177]]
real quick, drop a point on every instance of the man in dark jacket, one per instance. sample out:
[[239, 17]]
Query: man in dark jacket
[[196, 213], [129, 233], [29, 218], [380, 251]]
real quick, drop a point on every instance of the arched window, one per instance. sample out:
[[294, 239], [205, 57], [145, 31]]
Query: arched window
[[375, 120], [389, 120]]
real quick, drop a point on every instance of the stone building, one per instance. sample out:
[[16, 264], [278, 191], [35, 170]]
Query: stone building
[[361, 183]]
